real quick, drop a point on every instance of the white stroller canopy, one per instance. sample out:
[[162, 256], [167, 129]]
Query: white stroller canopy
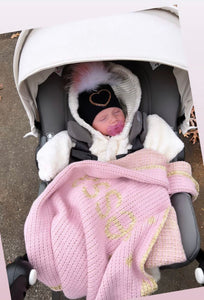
[[150, 35]]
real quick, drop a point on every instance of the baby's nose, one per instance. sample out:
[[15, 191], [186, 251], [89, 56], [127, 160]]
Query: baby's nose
[[114, 120]]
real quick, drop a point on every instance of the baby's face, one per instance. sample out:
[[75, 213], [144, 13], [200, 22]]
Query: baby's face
[[109, 121]]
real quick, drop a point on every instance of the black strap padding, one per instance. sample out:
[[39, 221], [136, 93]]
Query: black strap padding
[[81, 152]]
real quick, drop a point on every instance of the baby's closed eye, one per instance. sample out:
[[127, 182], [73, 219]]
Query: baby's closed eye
[[103, 118], [116, 111]]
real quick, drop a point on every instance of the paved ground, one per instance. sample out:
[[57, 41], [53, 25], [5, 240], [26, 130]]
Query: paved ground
[[19, 180]]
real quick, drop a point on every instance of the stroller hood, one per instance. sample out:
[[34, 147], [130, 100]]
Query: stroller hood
[[150, 35]]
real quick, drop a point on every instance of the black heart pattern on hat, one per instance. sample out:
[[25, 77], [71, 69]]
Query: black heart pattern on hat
[[100, 98]]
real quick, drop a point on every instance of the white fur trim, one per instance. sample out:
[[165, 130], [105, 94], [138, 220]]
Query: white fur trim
[[128, 91], [160, 137], [88, 76], [155, 273], [108, 149], [53, 157]]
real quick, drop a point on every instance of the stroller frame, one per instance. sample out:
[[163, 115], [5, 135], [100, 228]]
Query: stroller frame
[[153, 101], [52, 105], [165, 102]]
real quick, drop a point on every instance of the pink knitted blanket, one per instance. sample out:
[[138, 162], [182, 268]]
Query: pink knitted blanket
[[98, 226]]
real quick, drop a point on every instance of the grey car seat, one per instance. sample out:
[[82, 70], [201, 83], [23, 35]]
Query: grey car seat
[[160, 95]]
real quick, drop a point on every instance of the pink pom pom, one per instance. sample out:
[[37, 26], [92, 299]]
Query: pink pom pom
[[87, 76]]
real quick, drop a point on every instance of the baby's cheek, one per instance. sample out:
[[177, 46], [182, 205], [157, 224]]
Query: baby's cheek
[[101, 127], [104, 129], [122, 118]]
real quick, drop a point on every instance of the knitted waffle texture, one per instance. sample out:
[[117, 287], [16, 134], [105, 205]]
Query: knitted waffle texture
[[98, 226]]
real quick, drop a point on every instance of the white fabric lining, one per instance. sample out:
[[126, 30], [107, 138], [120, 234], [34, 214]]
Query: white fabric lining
[[32, 68]]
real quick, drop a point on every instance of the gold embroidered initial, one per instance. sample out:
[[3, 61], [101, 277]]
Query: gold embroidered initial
[[122, 231], [86, 177], [88, 195], [129, 261], [108, 203]]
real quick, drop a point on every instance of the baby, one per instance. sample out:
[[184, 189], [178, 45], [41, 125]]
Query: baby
[[105, 122], [110, 121], [101, 109]]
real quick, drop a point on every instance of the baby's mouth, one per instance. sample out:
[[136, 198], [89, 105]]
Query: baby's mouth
[[115, 129]]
